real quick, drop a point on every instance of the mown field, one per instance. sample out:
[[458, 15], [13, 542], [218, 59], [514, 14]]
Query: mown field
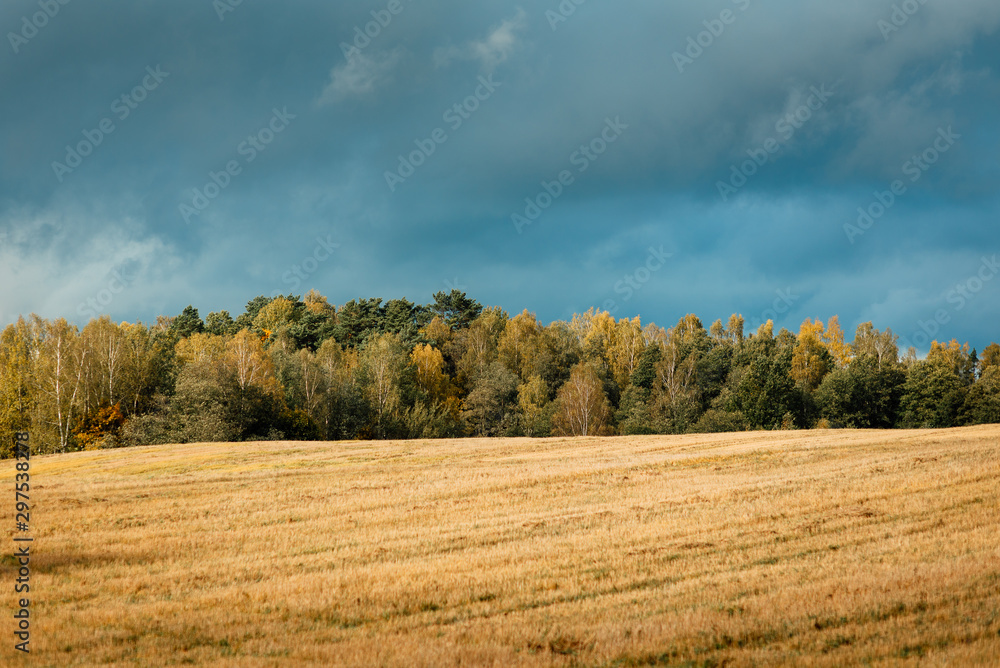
[[799, 548]]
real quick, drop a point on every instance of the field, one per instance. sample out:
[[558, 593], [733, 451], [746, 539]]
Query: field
[[807, 548]]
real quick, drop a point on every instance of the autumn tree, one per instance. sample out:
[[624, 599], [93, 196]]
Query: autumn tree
[[625, 349], [811, 360], [833, 338], [480, 344], [430, 372], [382, 364], [990, 358], [535, 407], [106, 355], [583, 408], [17, 398], [345, 411], [518, 347], [59, 377]]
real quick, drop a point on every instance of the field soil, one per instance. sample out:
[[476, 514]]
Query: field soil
[[824, 548]]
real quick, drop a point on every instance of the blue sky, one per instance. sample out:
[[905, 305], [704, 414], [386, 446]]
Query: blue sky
[[706, 157]]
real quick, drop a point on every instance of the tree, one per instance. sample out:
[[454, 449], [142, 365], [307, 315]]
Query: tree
[[957, 358], [810, 361], [625, 350], [633, 414], [248, 361], [455, 308], [430, 370], [491, 407], [275, 315], [982, 403], [254, 407], [583, 408], [403, 317], [59, 378], [878, 346], [480, 342], [834, 340], [519, 345], [990, 358], [345, 411], [932, 395], [534, 405], [382, 363], [763, 390], [220, 323], [560, 351], [188, 322], [735, 329], [358, 321], [106, 352], [17, 398]]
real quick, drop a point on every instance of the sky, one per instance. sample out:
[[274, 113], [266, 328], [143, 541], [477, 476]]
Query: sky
[[781, 160]]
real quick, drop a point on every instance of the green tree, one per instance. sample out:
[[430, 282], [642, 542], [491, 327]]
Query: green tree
[[932, 395], [455, 308], [188, 322], [220, 323], [982, 403], [491, 408]]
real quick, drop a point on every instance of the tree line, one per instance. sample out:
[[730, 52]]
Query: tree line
[[299, 368]]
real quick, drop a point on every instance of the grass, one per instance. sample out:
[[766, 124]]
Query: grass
[[821, 548]]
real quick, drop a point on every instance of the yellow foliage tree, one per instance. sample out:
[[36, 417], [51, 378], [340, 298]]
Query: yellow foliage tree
[[583, 406], [251, 365], [518, 347], [275, 315], [834, 340], [625, 349], [809, 359], [431, 377]]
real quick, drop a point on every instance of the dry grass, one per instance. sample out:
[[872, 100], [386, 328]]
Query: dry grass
[[822, 548]]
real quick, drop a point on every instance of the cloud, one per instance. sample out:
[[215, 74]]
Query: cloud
[[360, 75], [491, 51]]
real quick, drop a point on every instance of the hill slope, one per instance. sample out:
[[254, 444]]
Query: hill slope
[[827, 547]]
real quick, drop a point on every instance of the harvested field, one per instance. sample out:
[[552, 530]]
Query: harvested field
[[767, 548]]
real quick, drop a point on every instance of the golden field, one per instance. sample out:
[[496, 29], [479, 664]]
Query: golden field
[[825, 548]]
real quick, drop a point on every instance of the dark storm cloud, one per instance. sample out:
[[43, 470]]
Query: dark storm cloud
[[833, 101]]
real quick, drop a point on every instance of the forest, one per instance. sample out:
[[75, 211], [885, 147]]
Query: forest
[[299, 368]]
